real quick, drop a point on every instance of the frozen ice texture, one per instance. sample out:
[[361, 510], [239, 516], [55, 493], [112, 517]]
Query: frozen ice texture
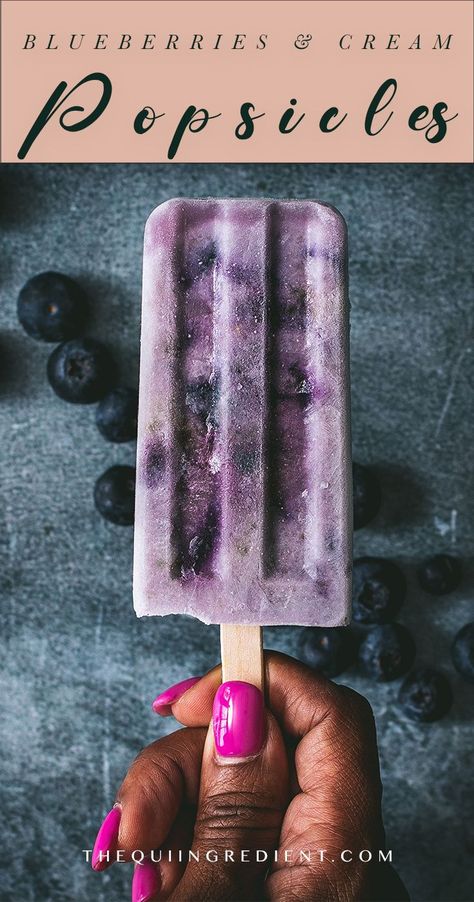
[[243, 502]]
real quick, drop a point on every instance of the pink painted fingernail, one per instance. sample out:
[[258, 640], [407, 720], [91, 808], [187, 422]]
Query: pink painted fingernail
[[238, 720], [171, 695], [146, 881], [106, 840]]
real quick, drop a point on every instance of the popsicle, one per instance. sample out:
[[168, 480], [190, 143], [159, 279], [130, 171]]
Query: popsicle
[[243, 500]]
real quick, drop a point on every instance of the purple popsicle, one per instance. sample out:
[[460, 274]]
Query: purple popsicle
[[243, 502]]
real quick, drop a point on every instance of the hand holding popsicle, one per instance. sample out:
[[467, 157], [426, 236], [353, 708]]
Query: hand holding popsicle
[[301, 774], [243, 517], [243, 498]]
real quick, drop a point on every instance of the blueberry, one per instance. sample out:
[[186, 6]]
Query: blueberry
[[387, 652], [116, 415], [425, 694], [155, 461], [81, 371], [378, 590], [366, 495], [52, 307], [201, 398], [207, 256], [439, 574], [328, 651], [114, 495], [194, 557], [462, 651], [199, 263], [290, 312]]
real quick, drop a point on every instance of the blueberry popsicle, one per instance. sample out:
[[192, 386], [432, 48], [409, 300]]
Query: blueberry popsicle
[[243, 501]]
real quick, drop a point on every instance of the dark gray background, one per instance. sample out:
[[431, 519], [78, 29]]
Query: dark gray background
[[79, 671]]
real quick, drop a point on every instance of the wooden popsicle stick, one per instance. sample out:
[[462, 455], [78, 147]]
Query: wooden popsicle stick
[[242, 654]]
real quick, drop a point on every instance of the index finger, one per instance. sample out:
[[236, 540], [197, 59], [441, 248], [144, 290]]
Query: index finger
[[299, 697], [333, 727]]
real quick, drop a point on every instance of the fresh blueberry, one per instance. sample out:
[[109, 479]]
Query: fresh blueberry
[[439, 574], [387, 652], [52, 307], [81, 371], [462, 651], [116, 415], [366, 495], [378, 590], [114, 495], [328, 651], [425, 694]]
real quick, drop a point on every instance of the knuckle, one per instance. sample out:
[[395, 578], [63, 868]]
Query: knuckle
[[160, 783], [153, 772], [360, 709], [236, 812]]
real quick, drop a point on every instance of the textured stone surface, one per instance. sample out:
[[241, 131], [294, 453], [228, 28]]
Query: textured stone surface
[[79, 671]]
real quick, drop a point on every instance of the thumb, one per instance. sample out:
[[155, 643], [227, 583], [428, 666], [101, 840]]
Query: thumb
[[243, 795]]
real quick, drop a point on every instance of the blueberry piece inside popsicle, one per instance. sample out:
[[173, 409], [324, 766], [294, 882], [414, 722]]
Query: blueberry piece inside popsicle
[[154, 463]]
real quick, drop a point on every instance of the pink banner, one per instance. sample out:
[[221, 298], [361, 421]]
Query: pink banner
[[114, 81]]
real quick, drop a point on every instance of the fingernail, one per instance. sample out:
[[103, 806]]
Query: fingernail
[[238, 720], [146, 881], [106, 840], [171, 695]]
